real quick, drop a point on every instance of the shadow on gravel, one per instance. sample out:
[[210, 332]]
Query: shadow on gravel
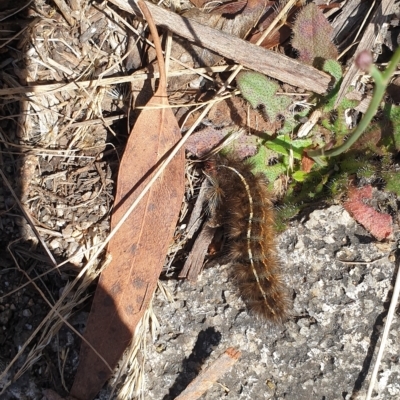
[[191, 366]]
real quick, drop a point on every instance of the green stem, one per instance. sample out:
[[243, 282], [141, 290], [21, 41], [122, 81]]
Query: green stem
[[381, 81]]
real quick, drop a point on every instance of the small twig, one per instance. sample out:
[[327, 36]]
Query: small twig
[[362, 262], [65, 11], [208, 377], [194, 263]]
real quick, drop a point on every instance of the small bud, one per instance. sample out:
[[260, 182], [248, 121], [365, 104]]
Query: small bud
[[364, 60]]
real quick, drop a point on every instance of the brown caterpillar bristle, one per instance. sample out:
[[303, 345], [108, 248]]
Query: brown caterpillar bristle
[[241, 203]]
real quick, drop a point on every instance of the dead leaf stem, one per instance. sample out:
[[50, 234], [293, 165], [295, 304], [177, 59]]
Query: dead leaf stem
[[157, 43]]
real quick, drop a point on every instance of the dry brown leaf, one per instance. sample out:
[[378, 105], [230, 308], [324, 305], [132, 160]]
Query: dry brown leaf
[[281, 31], [232, 7], [139, 248]]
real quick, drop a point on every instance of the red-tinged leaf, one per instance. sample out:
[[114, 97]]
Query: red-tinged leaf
[[202, 142], [306, 163], [312, 36], [378, 224], [139, 248]]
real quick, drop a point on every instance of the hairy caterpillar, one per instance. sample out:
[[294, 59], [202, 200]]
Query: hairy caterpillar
[[240, 202]]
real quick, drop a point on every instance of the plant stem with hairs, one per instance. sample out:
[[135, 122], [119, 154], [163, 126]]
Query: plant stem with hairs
[[381, 79]]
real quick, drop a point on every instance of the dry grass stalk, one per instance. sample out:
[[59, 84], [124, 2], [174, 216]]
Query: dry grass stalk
[[43, 89], [131, 368]]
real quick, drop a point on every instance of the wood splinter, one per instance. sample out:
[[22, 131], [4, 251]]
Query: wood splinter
[[207, 378]]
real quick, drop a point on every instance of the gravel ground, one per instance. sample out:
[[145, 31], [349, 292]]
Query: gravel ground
[[323, 352]]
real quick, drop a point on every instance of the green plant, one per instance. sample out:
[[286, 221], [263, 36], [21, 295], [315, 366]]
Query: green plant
[[381, 81], [260, 92], [392, 179], [308, 169]]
